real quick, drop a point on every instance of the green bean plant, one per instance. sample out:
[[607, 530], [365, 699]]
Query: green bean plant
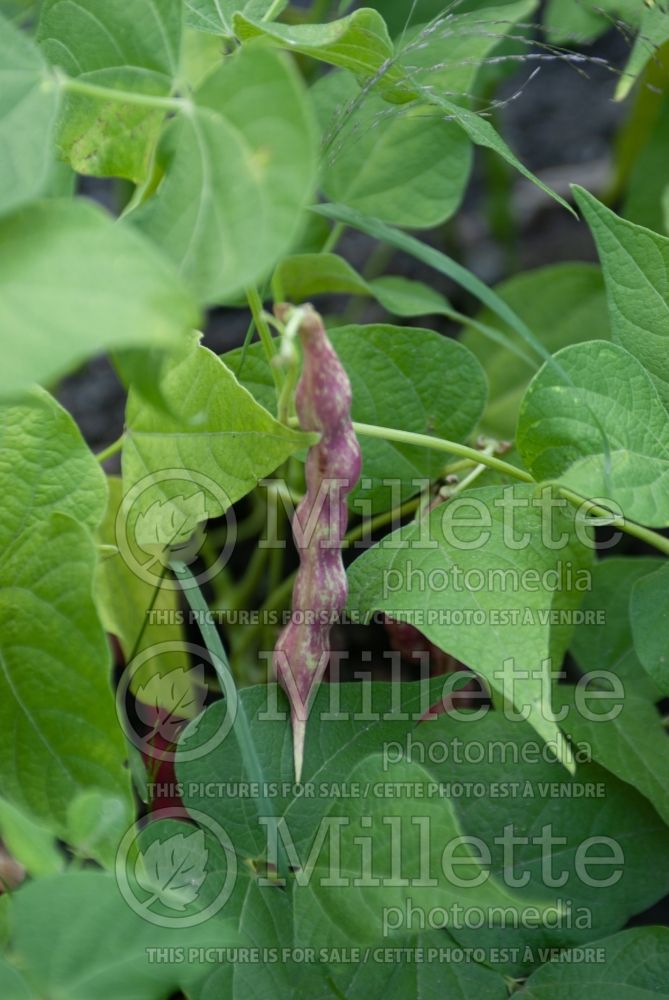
[[338, 667]]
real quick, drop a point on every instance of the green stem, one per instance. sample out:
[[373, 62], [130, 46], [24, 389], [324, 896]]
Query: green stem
[[264, 332], [334, 236], [613, 521], [110, 450], [241, 726], [75, 86], [441, 444], [275, 9]]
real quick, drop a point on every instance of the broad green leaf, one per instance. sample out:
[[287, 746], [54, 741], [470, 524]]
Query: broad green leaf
[[603, 640], [118, 46], [405, 870], [336, 741], [207, 453], [402, 377], [141, 613], [29, 102], [635, 262], [649, 613], [215, 16], [98, 947], [200, 54], [45, 467], [504, 786], [405, 166], [653, 33], [302, 276], [425, 966], [635, 966], [359, 42], [74, 284], [96, 822], [238, 171], [419, 574], [33, 845], [595, 423], [564, 304], [336, 745], [58, 728], [626, 736]]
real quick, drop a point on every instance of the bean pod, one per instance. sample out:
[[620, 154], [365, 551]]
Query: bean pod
[[323, 404]]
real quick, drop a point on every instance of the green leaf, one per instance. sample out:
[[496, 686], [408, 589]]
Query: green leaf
[[115, 45], [98, 947], [483, 133], [45, 467], [603, 640], [419, 571], [448, 55], [59, 731], [215, 16], [653, 32], [413, 972], [439, 261], [336, 741], [214, 446], [401, 377], [595, 422], [629, 739], [239, 170], [74, 284], [564, 304], [649, 613], [359, 42], [58, 728], [302, 276], [96, 822], [31, 844], [358, 907], [29, 102], [636, 965], [506, 786], [405, 166], [635, 262], [141, 612]]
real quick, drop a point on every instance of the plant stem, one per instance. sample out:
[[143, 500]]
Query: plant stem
[[110, 450], [264, 332], [274, 9], [75, 86], [334, 236], [241, 726], [441, 444], [629, 527]]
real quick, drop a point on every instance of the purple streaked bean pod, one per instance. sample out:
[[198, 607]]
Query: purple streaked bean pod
[[323, 404]]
